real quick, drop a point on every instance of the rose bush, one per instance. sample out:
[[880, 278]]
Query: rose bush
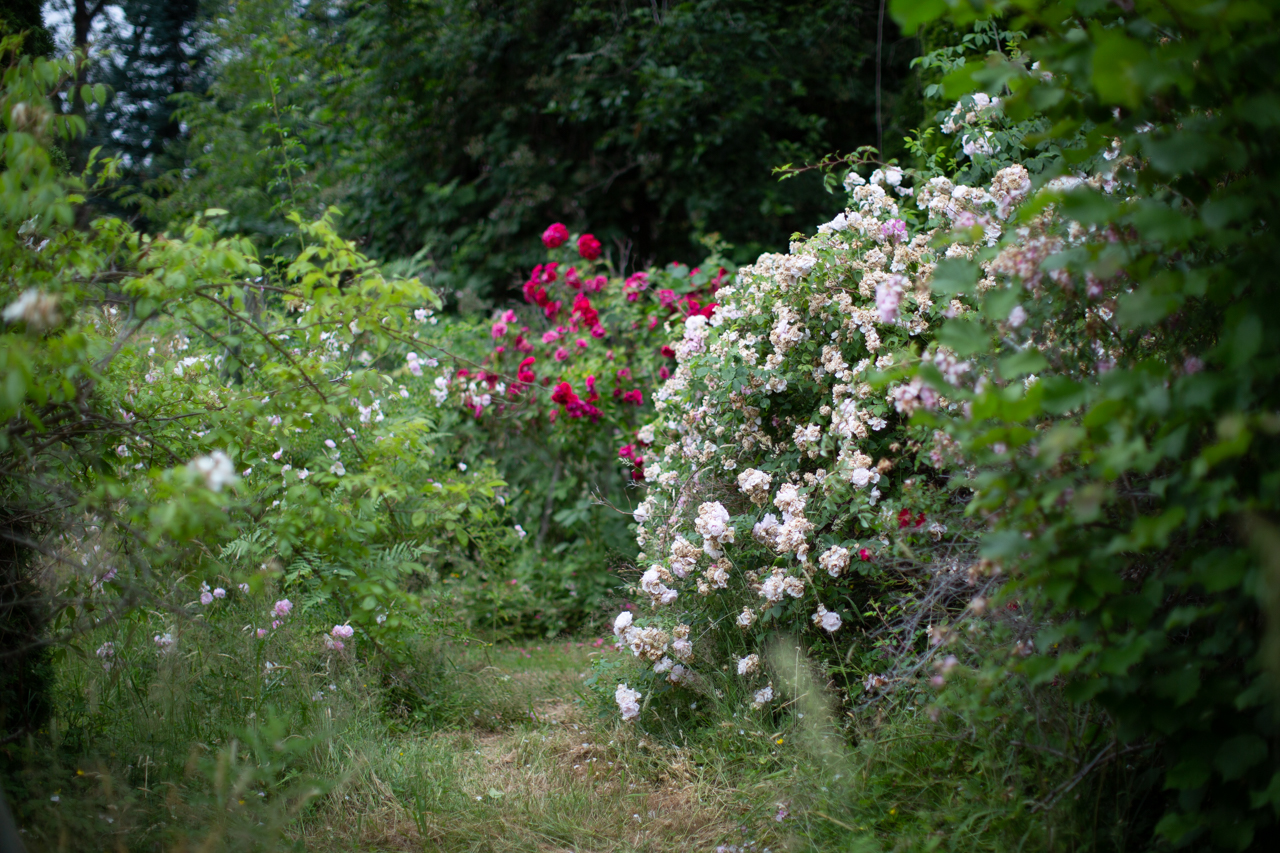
[[556, 390]]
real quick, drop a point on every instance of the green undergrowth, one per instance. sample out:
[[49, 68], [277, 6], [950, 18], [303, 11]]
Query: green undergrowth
[[473, 746]]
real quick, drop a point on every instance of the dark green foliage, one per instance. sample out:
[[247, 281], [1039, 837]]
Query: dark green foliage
[[155, 54], [24, 16], [648, 124], [455, 132], [25, 668], [1134, 510]]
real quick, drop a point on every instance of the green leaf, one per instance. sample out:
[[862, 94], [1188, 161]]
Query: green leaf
[[1116, 60], [964, 336], [1239, 754], [954, 275], [1022, 363], [911, 14]]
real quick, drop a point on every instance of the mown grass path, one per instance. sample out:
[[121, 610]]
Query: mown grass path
[[537, 770]]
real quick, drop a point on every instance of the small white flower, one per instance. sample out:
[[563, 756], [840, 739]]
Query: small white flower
[[826, 619], [216, 469]]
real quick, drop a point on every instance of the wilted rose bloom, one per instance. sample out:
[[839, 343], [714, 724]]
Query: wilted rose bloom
[[826, 619], [343, 632], [555, 235], [261, 632], [282, 608]]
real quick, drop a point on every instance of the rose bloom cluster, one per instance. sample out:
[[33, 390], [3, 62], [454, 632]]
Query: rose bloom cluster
[[586, 348], [783, 465]]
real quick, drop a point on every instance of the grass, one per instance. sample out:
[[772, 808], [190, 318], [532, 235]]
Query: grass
[[558, 779], [483, 749], [476, 747]]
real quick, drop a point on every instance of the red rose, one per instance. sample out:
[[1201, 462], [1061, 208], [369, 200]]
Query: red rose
[[555, 235], [588, 246]]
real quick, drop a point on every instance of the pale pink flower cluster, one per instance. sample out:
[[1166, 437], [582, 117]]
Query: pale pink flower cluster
[[715, 526], [778, 584], [216, 470], [755, 485], [914, 395], [792, 534], [653, 582], [889, 294], [335, 637], [646, 643], [628, 701], [834, 560], [684, 557]]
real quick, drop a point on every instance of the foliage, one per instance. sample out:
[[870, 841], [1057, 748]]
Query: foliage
[[1129, 488], [23, 16], [555, 393], [774, 406], [148, 56], [450, 132], [177, 407]]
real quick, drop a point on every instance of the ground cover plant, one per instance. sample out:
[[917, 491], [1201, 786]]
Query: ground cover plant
[[950, 527]]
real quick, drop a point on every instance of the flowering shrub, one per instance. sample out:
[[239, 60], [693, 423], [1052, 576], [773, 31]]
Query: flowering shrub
[[556, 391], [177, 409], [784, 481], [789, 483], [1123, 448]]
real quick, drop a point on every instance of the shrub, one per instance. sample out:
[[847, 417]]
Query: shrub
[[555, 392], [177, 408]]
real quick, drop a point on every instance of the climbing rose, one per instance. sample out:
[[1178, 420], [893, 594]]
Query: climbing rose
[[588, 246], [555, 235]]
